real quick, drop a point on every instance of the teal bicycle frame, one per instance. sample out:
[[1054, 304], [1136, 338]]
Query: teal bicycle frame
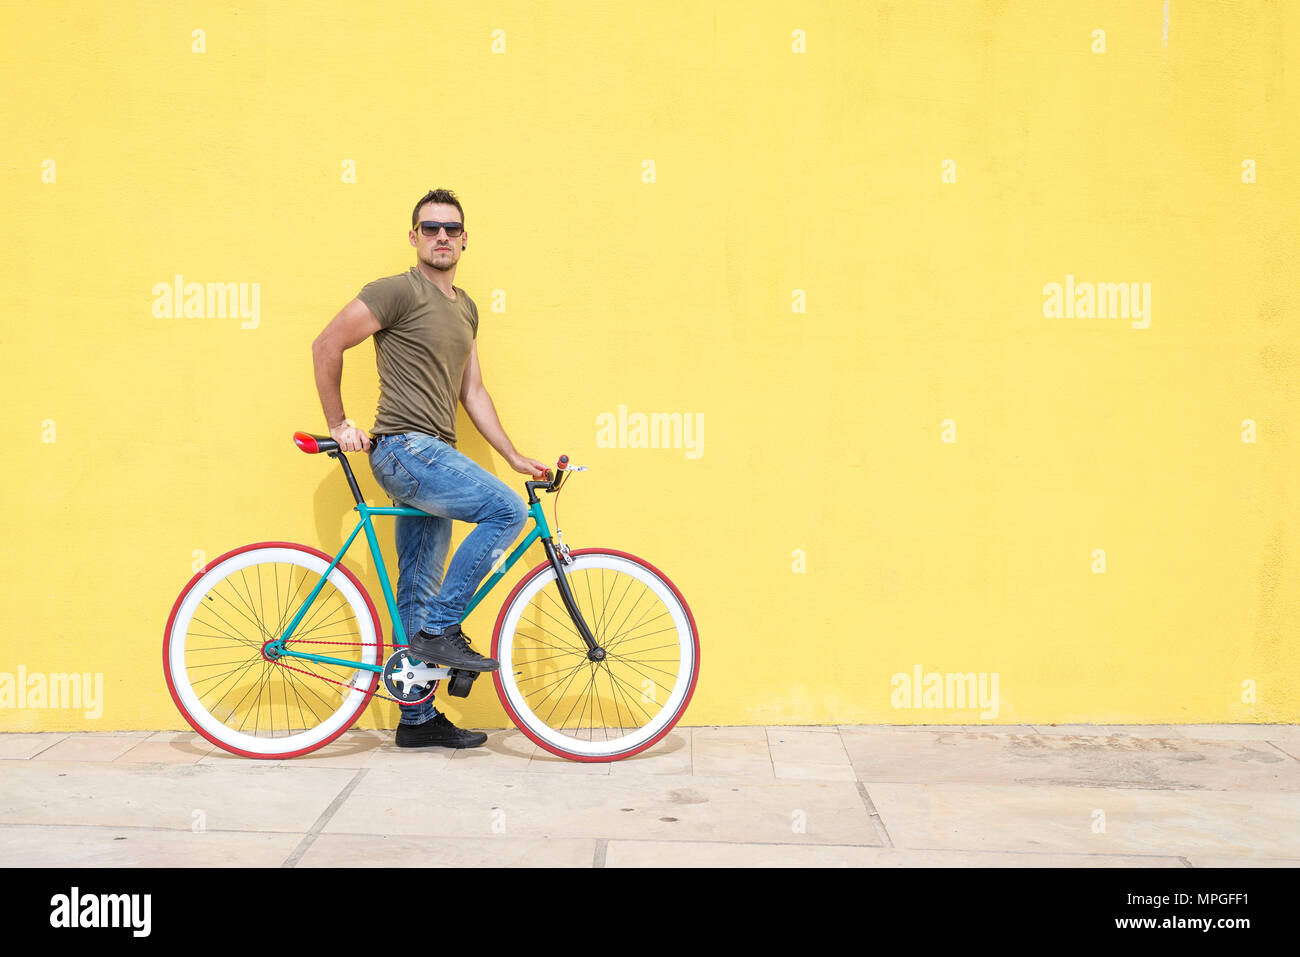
[[277, 649]]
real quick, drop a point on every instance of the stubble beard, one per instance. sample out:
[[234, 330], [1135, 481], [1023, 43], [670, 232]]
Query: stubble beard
[[446, 265]]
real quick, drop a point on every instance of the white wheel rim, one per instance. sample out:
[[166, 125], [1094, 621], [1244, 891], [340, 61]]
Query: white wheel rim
[[241, 740], [631, 740]]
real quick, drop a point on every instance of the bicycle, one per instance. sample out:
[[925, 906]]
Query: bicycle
[[588, 670]]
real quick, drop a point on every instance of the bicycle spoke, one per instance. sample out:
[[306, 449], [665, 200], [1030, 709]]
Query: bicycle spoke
[[562, 619], [577, 700], [612, 611], [247, 601], [210, 610], [621, 629], [560, 698]]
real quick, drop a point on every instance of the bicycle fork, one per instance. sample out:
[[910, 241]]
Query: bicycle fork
[[558, 558]]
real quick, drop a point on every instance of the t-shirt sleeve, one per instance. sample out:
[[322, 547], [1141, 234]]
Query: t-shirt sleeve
[[473, 308], [388, 298]]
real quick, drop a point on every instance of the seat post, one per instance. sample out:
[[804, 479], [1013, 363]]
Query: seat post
[[347, 470]]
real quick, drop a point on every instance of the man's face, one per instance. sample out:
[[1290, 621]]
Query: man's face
[[439, 251]]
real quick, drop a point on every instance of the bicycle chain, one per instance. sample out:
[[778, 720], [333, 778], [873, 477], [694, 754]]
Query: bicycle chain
[[309, 641]]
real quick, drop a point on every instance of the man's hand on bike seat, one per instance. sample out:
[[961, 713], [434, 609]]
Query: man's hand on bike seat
[[350, 438]]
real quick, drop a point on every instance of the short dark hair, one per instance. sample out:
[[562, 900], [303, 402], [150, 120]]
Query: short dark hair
[[436, 196]]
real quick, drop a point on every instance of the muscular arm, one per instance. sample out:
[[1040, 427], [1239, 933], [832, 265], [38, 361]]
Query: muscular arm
[[353, 325]]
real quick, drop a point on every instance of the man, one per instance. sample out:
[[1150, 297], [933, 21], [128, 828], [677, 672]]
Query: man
[[426, 348]]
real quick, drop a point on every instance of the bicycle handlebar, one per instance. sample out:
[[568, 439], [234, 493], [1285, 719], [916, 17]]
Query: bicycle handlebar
[[553, 481]]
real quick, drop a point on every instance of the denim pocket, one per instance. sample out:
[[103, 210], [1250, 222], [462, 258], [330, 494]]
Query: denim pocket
[[393, 477]]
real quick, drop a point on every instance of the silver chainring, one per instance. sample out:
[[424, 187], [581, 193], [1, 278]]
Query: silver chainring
[[410, 680]]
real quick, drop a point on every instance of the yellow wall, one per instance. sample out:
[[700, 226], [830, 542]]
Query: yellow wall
[[831, 534]]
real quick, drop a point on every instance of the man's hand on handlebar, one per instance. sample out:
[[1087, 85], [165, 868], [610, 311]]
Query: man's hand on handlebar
[[530, 467]]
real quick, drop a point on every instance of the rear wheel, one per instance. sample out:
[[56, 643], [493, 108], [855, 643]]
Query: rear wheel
[[218, 669], [628, 696]]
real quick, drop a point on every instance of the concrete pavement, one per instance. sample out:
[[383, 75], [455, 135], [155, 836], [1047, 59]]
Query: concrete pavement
[[881, 796]]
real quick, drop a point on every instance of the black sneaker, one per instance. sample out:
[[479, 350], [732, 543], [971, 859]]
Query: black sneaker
[[437, 733], [450, 647]]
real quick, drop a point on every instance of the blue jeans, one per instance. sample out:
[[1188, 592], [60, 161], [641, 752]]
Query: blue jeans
[[425, 472]]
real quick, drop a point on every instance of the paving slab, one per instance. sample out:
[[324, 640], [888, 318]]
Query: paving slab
[[401, 850], [880, 754], [1107, 730], [732, 751], [22, 746], [672, 755], [505, 749], [783, 728], [1008, 728], [253, 796], [1202, 860], [220, 756], [528, 804], [1284, 737], [353, 749], [100, 746], [699, 854], [809, 755], [668, 756], [547, 763], [1237, 732], [391, 755], [167, 747], [53, 846], [1236, 825]]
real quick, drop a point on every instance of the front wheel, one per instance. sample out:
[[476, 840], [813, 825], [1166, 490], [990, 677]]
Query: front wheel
[[630, 694], [215, 651]]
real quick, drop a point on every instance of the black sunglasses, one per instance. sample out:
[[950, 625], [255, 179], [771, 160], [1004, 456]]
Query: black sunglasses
[[429, 228]]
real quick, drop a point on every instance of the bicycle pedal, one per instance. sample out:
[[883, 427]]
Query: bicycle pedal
[[460, 682]]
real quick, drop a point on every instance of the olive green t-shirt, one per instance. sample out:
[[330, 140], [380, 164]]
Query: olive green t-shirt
[[421, 349]]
